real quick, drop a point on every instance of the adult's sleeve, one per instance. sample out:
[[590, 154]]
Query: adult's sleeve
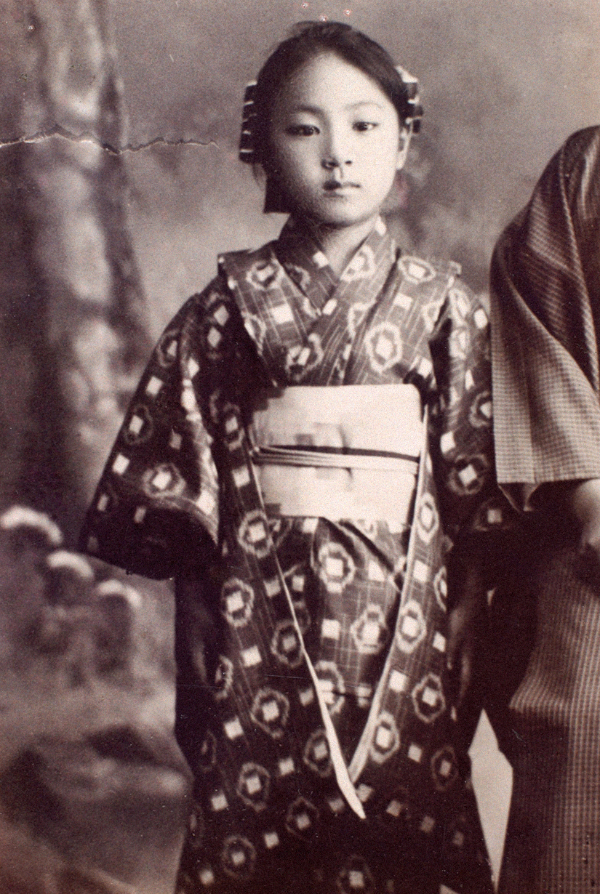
[[155, 511], [545, 315]]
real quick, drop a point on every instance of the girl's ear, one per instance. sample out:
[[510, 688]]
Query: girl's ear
[[403, 146]]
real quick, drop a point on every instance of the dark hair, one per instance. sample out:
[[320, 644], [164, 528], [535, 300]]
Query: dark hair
[[308, 40]]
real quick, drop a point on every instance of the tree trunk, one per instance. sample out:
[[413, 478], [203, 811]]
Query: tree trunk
[[74, 335], [93, 788]]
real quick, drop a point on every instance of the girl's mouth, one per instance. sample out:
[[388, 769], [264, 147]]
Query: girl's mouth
[[339, 187]]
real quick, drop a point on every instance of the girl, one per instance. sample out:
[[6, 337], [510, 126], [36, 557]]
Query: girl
[[308, 526]]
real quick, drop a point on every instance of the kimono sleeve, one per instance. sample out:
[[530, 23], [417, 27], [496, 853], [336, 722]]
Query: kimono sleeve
[[545, 291], [155, 511], [461, 435]]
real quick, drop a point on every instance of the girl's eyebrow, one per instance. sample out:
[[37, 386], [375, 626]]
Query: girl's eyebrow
[[364, 102], [303, 107], [316, 110]]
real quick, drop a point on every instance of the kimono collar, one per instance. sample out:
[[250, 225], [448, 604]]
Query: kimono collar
[[306, 264]]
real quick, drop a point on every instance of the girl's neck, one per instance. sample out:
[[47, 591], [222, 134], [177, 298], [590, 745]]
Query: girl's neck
[[339, 244]]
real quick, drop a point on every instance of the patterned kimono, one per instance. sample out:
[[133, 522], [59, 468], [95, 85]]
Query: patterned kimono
[[546, 329], [312, 700]]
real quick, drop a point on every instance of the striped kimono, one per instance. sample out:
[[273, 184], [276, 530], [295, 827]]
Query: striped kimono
[[545, 327], [312, 700]]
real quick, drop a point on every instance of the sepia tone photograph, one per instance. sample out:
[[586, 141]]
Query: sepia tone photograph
[[300, 427]]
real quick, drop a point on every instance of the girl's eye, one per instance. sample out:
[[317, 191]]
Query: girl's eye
[[364, 125], [302, 130]]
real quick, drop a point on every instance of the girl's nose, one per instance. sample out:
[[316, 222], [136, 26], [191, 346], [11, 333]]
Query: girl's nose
[[331, 162], [337, 152]]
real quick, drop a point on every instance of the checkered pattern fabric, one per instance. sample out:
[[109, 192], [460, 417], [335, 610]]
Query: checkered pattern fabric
[[545, 279], [545, 315]]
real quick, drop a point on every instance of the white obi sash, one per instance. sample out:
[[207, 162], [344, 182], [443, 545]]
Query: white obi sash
[[349, 451]]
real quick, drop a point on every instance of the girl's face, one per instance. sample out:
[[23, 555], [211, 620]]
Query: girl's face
[[335, 143]]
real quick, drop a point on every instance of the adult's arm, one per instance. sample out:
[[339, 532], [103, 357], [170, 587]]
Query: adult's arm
[[545, 312]]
